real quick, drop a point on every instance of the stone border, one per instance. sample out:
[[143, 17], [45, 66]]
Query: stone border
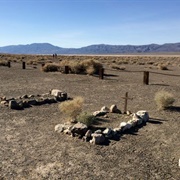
[[101, 137], [27, 101]]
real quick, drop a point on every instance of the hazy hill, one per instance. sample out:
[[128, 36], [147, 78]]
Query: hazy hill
[[46, 48]]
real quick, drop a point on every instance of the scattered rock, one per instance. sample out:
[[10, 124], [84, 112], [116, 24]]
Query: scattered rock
[[3, 98], [14, 105], [97, 138], [99, 113], [106, 116], [62, 127], [98, 131], [79, 129], [24, 96], [4, 103], [122, 124], [31, 96], [143, 115], [59, 128], [32, 102], [67, 131], [104, 109], [117, 130], [114, 109], [126, 127], [88, 133], [128, 113], [55, 92], [64, 96], [108, 132]]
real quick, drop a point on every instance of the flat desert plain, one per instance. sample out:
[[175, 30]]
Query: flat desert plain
[[31, 149]]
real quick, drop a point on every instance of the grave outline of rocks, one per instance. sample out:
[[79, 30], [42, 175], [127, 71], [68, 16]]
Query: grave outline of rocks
[[26, 101], [99, 137]]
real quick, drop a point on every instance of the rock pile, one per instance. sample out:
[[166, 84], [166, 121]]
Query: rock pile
[[26, 101], [104, 110], [101, 136]]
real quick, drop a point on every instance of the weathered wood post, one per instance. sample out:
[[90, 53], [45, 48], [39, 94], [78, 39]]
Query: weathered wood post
[[146, 77], [101, 73], [125, 103], [66, 70], [23, 65], [9, 64]]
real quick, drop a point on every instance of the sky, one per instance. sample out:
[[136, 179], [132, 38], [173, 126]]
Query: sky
[[79, 23]]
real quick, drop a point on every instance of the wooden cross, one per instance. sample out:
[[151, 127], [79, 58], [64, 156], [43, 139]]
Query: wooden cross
[[125, 103]]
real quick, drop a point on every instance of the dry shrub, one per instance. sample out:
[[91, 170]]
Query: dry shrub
[[91, 66], [82, 67], [3, 63], [163, 67], [164, 99], [118, 67], [72, 108], [51, 67]]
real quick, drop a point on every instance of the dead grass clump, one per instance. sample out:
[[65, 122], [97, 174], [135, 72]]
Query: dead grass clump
[[3, 63], [91, 66], [72, 108], [82, 67], [164, 99], [163, 67], [118, 67], [50, 67]]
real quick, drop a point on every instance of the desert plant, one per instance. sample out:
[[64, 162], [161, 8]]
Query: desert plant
[[82, 67], [72, 108], [162, 67], [50, 67], [164, 99], [86, 118], [3, 63]]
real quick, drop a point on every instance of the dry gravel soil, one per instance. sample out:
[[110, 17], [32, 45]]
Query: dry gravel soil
[[30, 149]]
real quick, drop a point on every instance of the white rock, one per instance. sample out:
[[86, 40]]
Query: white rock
[[88, 133], [107, 131], [104, 109], [122, 124], [99, 113], [113, 108], [117, 130], [56, 92], [133, 122], [143, 115], [97, 138], [127, 126], [59, 128]]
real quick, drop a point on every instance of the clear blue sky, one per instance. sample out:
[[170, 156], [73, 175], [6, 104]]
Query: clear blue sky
[[78, 23]]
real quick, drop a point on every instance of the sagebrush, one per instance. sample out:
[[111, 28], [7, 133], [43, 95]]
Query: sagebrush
[[72, 108], [164, 99]]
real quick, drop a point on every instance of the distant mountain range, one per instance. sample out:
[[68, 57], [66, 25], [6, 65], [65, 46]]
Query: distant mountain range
[[46, 48]]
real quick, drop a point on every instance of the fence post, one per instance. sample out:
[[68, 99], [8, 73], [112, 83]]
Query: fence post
[[66, 69], [101, 73], [23, 65], [9, 64], [146, 77]]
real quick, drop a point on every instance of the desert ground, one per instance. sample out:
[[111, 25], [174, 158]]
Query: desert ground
[[31, 149]]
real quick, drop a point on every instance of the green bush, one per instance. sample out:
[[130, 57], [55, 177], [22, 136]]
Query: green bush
[[164, 99], [86, 118]]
